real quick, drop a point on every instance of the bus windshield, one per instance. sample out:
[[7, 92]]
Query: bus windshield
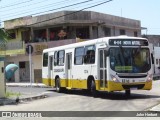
[[130, 60]]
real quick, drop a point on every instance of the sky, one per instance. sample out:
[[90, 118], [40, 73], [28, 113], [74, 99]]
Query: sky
[[147, 11]]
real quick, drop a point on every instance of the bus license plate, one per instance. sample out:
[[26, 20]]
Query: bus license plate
[[133, 88], [125, 81]]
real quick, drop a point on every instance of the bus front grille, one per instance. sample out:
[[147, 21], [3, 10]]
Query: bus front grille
[[138, 86]]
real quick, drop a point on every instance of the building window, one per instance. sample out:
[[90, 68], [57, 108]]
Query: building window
[[25, 36], [122, 32], [78, 57], [82, 33], [135, 34], [12, 35], [21, 64], [40, 35], [107, 31], [45, 59], [89, 57], [59, 58]]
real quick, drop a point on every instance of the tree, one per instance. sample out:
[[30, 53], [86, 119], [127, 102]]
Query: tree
[[4, 37]]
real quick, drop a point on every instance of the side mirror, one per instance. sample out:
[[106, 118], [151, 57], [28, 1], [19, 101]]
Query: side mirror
[[107, 52]]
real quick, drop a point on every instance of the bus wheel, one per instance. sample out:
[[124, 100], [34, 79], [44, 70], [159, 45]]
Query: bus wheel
[[128, 93], [58, 88], [93, 89]]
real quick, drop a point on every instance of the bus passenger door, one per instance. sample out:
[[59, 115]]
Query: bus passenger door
[[102, 68], [69, 70]]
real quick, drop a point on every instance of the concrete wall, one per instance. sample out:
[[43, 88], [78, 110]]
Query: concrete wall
[[36, 63], [115, 20], [2, 81], [154, 39], [23, 21], [48, 18], [157, 59]]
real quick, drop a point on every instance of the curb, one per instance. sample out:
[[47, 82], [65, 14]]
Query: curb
[[6, 101], [37, 86], [27, 85], [42, 96], [154, 108]]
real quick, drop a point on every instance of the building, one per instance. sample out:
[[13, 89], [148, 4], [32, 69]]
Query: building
[[155, 40], [55, 29]]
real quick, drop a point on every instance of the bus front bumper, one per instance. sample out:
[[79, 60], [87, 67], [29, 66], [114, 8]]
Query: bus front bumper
[[115, 86]]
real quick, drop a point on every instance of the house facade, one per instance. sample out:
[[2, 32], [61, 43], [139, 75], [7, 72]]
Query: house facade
[[56, 29]]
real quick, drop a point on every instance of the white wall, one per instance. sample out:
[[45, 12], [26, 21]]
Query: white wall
[[36, 63], [157, 57]]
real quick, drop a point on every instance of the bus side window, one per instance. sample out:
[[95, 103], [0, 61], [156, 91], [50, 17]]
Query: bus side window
[[78, 57], [45, 59], [60, 57], [89, 57], [55, 58]]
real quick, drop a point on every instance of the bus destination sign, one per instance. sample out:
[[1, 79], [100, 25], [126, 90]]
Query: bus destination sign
[[128, 42]]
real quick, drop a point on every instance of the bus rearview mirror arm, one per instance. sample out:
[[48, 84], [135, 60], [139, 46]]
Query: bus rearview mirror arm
[[107, 51]]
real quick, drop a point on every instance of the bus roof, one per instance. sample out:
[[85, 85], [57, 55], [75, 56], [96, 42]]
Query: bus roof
[[90, 42]]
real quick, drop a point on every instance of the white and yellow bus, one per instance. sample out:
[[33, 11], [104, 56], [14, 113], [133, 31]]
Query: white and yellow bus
[[103, 64]]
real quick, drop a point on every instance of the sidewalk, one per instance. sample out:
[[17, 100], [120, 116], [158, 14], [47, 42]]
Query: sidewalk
[[23, 97]]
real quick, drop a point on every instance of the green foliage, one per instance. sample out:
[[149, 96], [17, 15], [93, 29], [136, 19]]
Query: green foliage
[[4, 36], [12, 94]]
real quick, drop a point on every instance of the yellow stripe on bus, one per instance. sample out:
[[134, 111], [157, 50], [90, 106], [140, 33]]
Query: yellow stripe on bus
[[82, 84]]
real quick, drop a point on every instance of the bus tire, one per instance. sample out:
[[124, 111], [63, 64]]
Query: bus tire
[[93, 89], [58, 88], [127, 93]]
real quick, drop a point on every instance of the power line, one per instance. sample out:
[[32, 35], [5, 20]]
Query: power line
[[56, 8], [16, 4], [63, 7], [71, 12], [86, 5], [33, 4], [51, 5]]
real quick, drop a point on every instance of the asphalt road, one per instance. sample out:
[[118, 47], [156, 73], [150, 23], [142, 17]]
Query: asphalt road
[[77, 100]]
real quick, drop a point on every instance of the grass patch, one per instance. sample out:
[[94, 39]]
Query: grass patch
[[12, 94]]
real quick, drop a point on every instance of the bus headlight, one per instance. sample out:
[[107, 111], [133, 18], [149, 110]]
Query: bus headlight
[[114, 78], [149, 78]]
